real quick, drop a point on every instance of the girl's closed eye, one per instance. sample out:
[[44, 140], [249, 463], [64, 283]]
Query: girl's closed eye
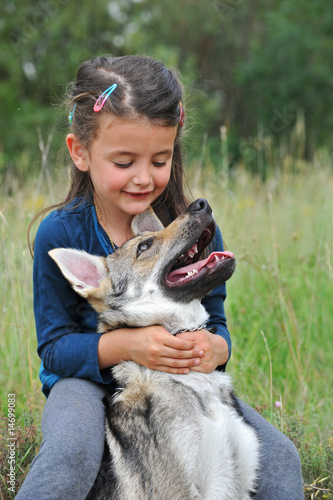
[[129, 164], [123, 165], [162, 158]]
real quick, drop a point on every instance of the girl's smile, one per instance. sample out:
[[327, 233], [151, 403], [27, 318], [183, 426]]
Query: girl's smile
[[138, 196]]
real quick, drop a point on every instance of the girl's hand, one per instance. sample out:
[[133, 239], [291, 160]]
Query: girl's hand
[[214, 347], [157, 349], [152, 346]]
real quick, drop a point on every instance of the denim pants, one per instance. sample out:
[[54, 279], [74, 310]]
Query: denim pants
[[73, 443]]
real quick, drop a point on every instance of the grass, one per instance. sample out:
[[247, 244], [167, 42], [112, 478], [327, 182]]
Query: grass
[[279, 307], [278, 303]]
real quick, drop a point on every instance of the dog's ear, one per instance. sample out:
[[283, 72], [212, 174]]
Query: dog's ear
[[147, 221], [85, 272]]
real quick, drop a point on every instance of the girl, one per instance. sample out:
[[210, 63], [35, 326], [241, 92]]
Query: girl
[[126, 119]]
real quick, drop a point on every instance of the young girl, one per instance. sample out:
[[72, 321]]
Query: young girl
[[126, 117]]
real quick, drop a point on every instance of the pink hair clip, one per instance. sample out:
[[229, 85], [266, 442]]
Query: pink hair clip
[[181, 115], [98, 104]]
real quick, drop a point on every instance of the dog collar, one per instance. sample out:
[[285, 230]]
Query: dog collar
[[200, 327]]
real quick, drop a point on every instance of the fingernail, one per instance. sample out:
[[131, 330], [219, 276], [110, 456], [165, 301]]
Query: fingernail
[[197, 362], [201, 353]]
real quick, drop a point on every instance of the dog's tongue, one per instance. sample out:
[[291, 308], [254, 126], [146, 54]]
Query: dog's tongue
[[187, 272]]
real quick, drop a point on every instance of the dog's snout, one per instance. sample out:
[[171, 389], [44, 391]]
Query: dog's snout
[[200, 205]]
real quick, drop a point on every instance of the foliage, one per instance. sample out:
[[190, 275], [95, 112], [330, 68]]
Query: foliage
[[289, 69], [25, 445], [251, 66]]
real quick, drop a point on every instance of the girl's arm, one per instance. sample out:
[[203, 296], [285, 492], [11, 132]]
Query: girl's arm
[[152, 346], [65, 323]]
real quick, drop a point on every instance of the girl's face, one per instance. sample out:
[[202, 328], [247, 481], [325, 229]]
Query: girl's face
[[129, 162]]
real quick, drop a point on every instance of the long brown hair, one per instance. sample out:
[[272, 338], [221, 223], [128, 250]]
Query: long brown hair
[[145, 88]]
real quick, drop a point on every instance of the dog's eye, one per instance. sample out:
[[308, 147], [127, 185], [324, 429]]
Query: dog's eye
[[143, 246]]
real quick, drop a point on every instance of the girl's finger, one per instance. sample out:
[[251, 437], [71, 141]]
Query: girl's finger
[[179, 354], [179, 344], [180, 363]]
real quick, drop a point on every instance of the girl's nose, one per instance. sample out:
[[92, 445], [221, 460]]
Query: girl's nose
[[143, 175]]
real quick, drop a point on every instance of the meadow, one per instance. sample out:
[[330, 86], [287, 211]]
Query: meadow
[[279, 305]]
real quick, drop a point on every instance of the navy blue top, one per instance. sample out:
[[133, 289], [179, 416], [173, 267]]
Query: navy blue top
[[65, 323]]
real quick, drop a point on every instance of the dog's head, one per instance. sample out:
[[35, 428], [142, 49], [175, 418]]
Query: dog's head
[[153, 274]]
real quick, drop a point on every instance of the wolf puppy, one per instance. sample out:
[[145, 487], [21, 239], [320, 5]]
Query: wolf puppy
[[170, 437]]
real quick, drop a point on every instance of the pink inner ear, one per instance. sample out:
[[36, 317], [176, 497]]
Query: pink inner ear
[[90, 276], [84, 270]]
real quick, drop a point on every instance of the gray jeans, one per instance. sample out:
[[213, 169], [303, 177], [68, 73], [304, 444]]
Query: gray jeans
[[73, 442]]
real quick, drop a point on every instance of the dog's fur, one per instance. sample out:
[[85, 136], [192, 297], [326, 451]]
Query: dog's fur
[[170, 437]]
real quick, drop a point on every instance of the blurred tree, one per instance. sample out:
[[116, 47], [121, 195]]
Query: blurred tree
[[289, 70], [251, 66], [42, 47]]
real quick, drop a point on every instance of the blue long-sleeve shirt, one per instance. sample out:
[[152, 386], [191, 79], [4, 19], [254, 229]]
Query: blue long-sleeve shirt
[[65, 323]]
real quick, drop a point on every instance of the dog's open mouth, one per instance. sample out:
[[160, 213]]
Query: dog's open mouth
[[188, 267]]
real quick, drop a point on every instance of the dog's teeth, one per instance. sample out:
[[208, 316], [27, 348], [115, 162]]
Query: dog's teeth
[[190, 274], [192, 251]]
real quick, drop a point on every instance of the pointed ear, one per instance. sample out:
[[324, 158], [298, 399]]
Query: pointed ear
[[85, 272], [147, 221]]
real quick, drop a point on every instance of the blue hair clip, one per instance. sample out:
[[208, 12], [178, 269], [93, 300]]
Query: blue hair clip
[[98, 104], [70, 116]]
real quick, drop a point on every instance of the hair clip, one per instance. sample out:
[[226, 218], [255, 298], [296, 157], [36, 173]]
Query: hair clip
[[182, 114], [98, 104], [70, 116]]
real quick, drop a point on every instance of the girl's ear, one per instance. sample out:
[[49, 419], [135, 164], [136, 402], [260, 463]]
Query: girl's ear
[[78, 153]]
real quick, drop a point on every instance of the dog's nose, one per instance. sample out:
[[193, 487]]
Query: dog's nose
[[200, 205]]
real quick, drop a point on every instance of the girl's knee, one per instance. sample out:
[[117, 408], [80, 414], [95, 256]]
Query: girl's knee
[[73, 427], [289, 453], [75, 405], [78, 389]]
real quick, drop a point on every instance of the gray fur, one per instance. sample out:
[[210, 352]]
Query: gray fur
[[170, 437]]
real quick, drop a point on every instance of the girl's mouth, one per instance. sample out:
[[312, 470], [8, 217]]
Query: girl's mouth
[[138, 196]]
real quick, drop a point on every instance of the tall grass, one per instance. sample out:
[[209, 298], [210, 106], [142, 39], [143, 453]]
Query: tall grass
[[279, 302], [19, 363], [279, 305]]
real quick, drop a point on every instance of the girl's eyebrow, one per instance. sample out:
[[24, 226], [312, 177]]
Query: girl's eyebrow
[[125, 153], [165, 152]]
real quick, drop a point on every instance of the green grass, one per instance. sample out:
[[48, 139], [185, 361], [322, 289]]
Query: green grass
[[19, 361], [279, 305], [279, 301]]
